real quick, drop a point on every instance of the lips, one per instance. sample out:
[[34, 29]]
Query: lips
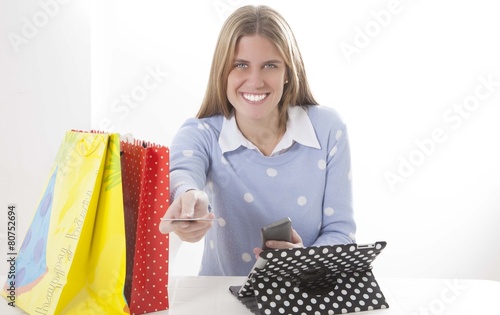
[[254, 97]]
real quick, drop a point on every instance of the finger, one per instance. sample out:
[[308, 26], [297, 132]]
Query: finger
[[257, 251], [166, 227], [172, 212], [194, 204], [296, 242], [279, 244], [188, 201], [209, 216], [192, 235], [296, 239], [193, 228], [186, 227]]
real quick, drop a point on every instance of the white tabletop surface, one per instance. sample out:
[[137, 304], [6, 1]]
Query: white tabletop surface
[[210, 295]]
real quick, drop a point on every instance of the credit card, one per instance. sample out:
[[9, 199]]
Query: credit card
[[188, 220]]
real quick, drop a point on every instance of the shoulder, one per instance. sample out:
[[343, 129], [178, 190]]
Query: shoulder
[[196, 125], [325, 118], [198, 131]]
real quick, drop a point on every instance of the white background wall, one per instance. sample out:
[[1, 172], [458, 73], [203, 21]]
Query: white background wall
[[414, 71], [44, 91]]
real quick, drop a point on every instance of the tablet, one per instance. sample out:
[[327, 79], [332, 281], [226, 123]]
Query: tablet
[[313, 280]]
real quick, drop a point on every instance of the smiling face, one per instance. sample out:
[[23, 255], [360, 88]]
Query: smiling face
[[255, 83]]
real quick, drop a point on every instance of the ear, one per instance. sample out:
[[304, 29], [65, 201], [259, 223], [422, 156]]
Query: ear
[[287, 74]]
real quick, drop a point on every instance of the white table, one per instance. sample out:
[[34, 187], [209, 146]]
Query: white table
[[211, 296]]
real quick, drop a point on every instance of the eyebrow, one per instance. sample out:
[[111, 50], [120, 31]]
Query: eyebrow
[[265, 62]]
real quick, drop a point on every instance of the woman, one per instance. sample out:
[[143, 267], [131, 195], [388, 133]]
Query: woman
[[259, 150]]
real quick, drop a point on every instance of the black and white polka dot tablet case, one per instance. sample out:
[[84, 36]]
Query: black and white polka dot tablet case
[[334, 279]]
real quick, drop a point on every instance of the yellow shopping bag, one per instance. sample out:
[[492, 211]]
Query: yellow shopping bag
[[72, 260]]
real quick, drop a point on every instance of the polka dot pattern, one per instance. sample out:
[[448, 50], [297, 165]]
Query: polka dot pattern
[[338, 134], [333, 151], [321, 164], [246, 257], [203, 126], [145, 180], [271, 172], [329, 211], [248, 197], [316, 280], [222, 222]]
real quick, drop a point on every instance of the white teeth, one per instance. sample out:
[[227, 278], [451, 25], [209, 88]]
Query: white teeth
[[254, 97]]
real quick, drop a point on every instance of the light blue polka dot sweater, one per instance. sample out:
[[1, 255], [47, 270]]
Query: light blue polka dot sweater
[[248, 190]]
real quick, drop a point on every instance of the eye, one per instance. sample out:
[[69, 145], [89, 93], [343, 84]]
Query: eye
[[270, 66], [240, 65]]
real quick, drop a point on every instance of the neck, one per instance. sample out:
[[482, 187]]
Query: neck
[[264, 136]]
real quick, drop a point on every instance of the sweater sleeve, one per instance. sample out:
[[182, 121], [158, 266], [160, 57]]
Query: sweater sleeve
[[189, 157], [338, 225]]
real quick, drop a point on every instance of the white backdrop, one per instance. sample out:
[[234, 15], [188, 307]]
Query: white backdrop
[[418, 83], [44, 91]]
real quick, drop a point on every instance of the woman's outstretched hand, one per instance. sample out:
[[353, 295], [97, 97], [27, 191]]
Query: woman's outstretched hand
[[191, 204]]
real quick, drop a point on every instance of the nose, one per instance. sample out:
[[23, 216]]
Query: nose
[[255, 79]]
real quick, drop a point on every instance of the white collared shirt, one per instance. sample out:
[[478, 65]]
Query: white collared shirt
[[298, 129]]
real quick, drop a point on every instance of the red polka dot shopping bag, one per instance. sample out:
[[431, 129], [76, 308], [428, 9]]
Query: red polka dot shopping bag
[[145, 174], [74, 257]]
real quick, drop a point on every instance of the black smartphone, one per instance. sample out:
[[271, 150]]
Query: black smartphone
[[277, 231]]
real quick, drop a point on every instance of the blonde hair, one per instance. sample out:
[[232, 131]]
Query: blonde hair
[[264, 21]]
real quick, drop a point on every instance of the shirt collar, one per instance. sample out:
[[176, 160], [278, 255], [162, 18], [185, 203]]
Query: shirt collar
[[298, 128]]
